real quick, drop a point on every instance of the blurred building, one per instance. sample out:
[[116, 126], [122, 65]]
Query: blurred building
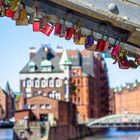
[[77, 77], [6, 103], [127, 98]]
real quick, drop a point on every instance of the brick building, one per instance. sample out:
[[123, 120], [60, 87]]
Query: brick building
[[6, 103], [76, 76], [101, 87], [42, 108], [89, 75], [127, 98]]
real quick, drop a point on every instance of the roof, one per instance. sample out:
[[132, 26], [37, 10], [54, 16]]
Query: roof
[[83, 59], [65, 60], [3, 92], [41, 55]]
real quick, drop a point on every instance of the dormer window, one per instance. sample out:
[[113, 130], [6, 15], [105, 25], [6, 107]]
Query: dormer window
[[32, 66], [46, 66]]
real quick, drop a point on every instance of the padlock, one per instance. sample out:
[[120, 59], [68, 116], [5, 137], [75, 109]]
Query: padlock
[[9, 13], [69, 33], [89, 45], [36, 26], [116, 50], [106, 46], [100, 45], [14, 5], [123, 63], [57, 28], [23, 19], [47, 31]]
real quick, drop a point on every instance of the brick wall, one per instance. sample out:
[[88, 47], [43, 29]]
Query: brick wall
[[128, 100]]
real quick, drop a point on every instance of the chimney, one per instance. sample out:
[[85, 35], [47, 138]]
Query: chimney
[[32, 52]]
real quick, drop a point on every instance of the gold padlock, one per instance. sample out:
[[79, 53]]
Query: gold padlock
[[14, 5], [23, 19]]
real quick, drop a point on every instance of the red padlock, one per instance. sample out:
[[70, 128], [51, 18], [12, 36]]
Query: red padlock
[[9, 13], [106, 46], [69, 33], [57, 29], [47, 31], [100, 45], [116, 50], [36, 26], [123, 63]]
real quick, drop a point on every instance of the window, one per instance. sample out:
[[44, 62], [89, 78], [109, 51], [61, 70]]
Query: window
[[36, 83], [65, 89], [42, 106], [28, 94], [35, 93], [32, 66], [33, 107], [78, 82], [46, 66], [28, 83], [57, 82], [29, 107], [57, 95], [50, 95], [65, 81], [79, 100], [48, 106], [43, 83], [50, 82]]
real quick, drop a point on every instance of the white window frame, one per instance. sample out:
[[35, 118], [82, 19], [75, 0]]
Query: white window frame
[[36, 83], [48, 106], [42, 106], [50, 82], [28, 83], [43, 83], [33, 107], [58, 83]]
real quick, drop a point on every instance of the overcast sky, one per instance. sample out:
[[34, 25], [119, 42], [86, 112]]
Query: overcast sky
[[15, 42]]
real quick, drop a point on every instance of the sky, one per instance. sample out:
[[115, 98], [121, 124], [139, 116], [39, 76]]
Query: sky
[[15, 42]]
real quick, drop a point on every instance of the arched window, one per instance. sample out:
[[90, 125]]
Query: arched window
[[50, 94], [65, 81], [43, 83], [57, 96], [58, 82], [36, 83], [28, 83], [50, 82]]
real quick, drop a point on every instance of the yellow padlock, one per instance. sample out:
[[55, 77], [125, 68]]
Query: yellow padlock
[[15, 5], [23, 20]]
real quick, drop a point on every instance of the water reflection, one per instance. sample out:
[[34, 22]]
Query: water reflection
[[6, 134], [114, 134]]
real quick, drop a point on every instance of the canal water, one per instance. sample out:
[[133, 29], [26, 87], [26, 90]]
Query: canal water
[[115, 134], [110, 134], [6, 134]]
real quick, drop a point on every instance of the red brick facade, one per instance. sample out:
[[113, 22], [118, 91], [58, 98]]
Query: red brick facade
[[42, 105], [128, 99], [6, 105]]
